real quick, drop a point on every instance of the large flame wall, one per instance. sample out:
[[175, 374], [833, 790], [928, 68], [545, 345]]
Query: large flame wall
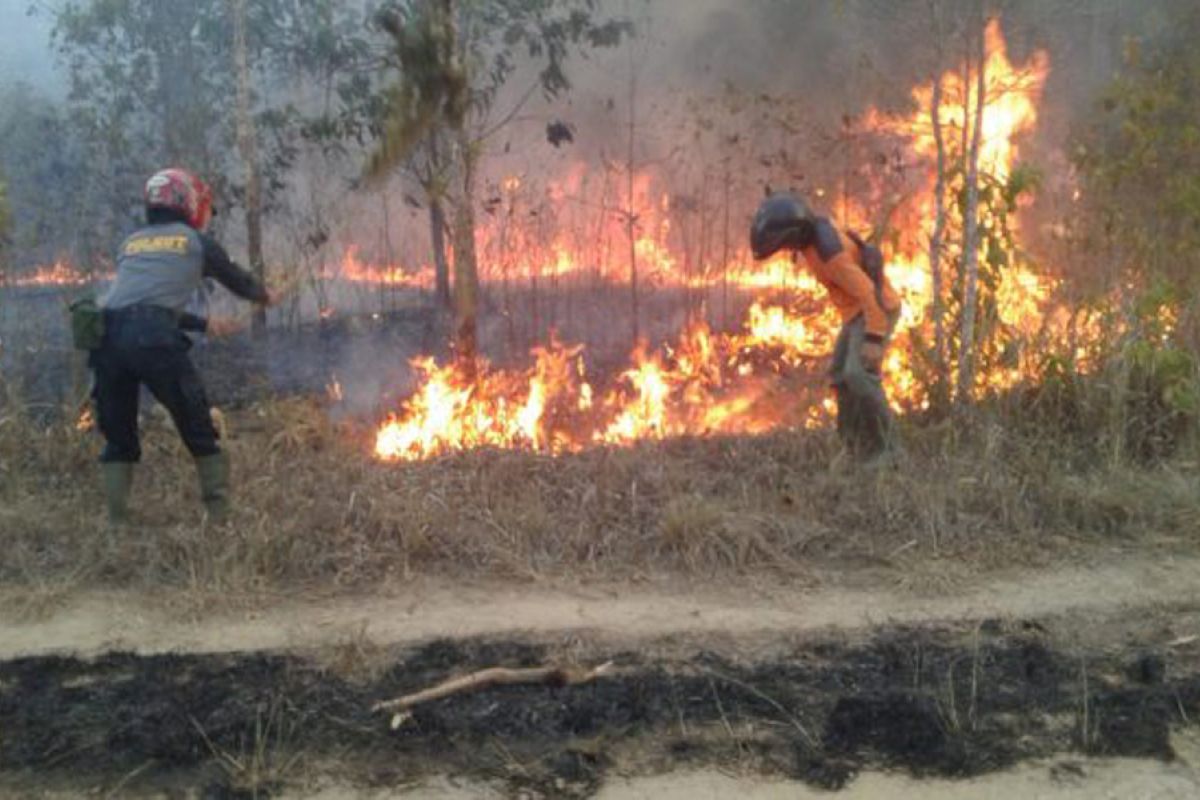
[[766, 375]]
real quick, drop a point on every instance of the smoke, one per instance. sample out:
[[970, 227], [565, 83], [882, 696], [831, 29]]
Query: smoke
[[25, 54], [830, 60]]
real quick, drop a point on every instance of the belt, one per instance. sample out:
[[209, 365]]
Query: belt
[[142, 311]]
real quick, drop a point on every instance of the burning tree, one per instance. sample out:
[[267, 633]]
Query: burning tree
[[454, 57], [767, 375], [960, 224]]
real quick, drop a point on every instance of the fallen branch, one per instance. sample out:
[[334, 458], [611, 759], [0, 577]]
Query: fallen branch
[[496, 676]]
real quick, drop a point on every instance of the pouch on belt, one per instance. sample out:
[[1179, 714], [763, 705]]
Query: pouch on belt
[[87, 323]]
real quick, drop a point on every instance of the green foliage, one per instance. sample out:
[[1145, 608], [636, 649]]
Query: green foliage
[[151, 82], [1139, 396], [433, 87], [997, 345], [1140, 160], [46, 175], [1158, 363], [1139, 164]]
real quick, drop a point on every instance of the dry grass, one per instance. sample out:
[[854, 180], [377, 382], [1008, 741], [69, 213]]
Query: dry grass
[[315, 511]]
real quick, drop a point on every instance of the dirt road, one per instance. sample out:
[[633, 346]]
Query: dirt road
[[1081, 681], [93, 623]]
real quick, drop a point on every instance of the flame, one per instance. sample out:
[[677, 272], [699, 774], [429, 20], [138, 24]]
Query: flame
[[333, 390], [705, 384], [460, 406], [85, 422], [58, 274], [766, 376], [1012, 95], [352, 269]]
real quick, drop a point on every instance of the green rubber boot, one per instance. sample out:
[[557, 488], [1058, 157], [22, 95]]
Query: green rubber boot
[[214, 485], [118, 481]]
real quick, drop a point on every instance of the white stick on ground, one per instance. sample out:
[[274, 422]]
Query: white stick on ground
[[496, 676]]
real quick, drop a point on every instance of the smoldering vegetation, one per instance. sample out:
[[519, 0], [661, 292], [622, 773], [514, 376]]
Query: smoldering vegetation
[[1069, 459], [366, 346], [953, 701], [673, 136], [606, 212]]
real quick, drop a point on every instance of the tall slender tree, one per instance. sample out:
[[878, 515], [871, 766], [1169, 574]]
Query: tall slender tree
[[5, 224], [941, 376], [971, 239], [454, 57], [247, 139], [154, 82]]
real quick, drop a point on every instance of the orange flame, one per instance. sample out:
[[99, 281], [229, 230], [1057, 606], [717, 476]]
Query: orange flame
[[58, 274], [454, 410], [756, 380]]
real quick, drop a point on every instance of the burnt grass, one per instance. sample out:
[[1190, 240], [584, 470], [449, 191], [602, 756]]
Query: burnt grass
[[930, 701], [366, 347]]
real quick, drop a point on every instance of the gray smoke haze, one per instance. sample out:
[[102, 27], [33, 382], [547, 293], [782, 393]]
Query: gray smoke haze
[[25, 53], [836, 57]]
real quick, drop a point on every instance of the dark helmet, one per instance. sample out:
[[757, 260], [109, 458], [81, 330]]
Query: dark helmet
[[783, 220]]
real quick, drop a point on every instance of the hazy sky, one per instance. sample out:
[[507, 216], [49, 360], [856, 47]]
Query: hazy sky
[[24, 45]]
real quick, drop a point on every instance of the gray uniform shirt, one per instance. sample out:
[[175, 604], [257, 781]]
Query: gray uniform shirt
[[163, 265], [160, 265]]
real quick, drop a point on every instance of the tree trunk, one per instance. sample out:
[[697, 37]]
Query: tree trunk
[[434, 183], [165, 48], [631, 218], [466, 273], [441, 264], [966, 353], [386, 291], [725, 254], [247, 146], [941, 378]]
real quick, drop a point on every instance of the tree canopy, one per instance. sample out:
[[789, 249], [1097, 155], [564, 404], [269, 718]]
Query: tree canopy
[[1141, 160], [151, 82], [455, 57]]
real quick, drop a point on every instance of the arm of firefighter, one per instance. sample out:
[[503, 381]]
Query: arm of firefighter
[[218, 265], [192, 322], [842, 270]]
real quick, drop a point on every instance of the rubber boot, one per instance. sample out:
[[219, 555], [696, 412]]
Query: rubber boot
[[876, 426], [849, 419], [118, 481], [214, 485]]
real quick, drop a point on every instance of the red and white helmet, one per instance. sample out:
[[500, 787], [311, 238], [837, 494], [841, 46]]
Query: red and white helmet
[[179, 190]]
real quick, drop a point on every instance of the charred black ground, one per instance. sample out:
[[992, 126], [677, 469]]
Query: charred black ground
[[366, 350], [947, 701]]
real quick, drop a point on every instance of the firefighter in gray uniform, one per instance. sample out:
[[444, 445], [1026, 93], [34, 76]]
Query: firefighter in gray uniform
[[159, 269]]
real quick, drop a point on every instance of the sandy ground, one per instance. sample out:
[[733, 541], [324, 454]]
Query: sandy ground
[[93, 623], [1066, 778]]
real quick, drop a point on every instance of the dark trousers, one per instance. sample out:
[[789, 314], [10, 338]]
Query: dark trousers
[[864, 416], [144, 346]]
